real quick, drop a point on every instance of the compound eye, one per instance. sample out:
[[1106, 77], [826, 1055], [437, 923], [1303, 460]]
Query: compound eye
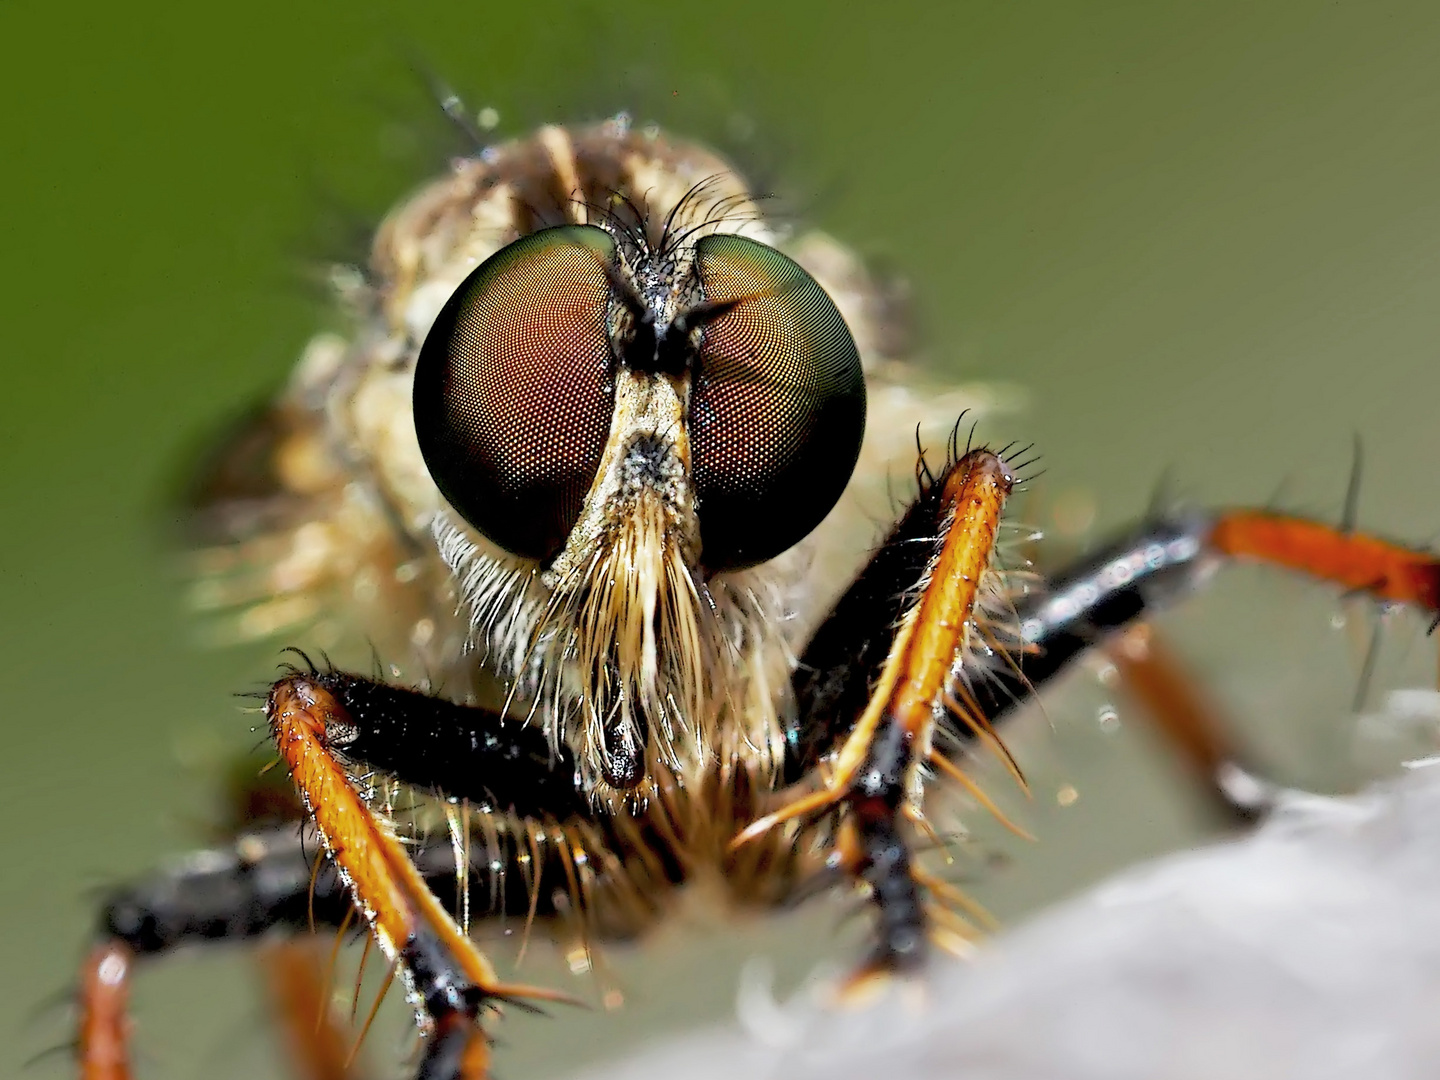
[[777, 413], [514, 389]]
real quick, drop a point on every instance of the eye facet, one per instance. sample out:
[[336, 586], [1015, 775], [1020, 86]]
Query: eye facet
[[514, 388], [777, 413]]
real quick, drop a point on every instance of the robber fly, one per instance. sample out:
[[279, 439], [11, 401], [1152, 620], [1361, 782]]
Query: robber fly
[[605, 470]]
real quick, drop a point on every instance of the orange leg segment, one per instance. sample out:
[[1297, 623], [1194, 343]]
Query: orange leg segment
[[1175, 704], [321, 1047], [1356, 561], [104, 1048], [444, 968], [874, 775], [977, 490], [932, 633]]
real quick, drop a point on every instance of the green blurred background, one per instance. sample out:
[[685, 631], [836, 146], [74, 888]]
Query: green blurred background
[[1197, 235]]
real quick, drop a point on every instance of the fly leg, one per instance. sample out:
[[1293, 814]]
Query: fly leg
[[268, 880], [1103, 600], [267, 885], [889, 686], [445, 972], [1108, 599], [263, 883], [103, 1044], [316, 1034]]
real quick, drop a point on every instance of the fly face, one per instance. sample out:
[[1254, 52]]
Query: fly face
[[598, 405], [636, 418]]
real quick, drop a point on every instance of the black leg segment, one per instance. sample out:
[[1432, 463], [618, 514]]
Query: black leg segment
[[461, 751]]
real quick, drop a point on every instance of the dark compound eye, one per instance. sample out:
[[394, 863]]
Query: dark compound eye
[[514, 391], [777, 413]]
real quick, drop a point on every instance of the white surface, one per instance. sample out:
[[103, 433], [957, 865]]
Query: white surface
[[1310, 948]]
